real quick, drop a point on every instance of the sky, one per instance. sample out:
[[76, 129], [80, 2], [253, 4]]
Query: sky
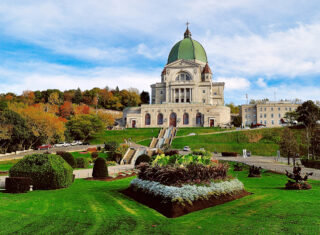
[[266, 49]]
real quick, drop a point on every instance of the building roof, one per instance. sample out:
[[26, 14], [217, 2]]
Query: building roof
[[206, 69], [163, 71], [187, 49]]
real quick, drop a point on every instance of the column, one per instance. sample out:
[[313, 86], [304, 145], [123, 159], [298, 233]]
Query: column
[[178, 95], [185, 95]]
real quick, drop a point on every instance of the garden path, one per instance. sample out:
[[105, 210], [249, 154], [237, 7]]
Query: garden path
[[269, 163]]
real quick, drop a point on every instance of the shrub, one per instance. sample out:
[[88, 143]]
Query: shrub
[[100, 169], [201, 153], [18, 184], [68, 157], [46, 171], [229, 154], [92, 149], [254, 171], [143, 158], [94, 155], [185, 160], [171, 152], [99, 148], [111, 146], [82, 162]]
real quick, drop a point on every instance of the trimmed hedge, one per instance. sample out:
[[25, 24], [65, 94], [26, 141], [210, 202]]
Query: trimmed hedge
[[47, 171], [142, 158], [229, 154], [82, 162], [310, 163], [100, 169], [18, 184], [68, 157]]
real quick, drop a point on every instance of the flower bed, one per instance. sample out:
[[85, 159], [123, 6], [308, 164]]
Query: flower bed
[[177, 185]]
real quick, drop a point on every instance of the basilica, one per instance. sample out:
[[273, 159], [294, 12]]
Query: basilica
[[186, 95]]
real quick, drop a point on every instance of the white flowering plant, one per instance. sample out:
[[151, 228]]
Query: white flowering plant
[[188, 193]]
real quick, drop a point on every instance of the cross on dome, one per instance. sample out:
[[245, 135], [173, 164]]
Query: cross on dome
[[187, 33]]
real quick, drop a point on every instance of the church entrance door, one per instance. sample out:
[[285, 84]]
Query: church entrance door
[[133, 123], [211, 122], [173, 119]]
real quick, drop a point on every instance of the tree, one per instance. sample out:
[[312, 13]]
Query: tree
[[237, 121], [83, 126], [77, 96], [315, 143], [66, 110], [308, 114], [288, 145], [54, 98], [291, 116], [106, 118], [233, 108], [28, 97], [145, 97]]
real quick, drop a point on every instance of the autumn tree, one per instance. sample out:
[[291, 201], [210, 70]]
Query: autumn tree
[[66, 110], [106, 118], [28, 97], [54, 98], [83, 126]]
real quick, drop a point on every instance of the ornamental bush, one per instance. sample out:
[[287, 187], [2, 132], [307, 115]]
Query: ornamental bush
[[47, 171], [17, 184], [111, 146], [68, 157], [82, 162], [143, 158], [94, 155], [100, 169]]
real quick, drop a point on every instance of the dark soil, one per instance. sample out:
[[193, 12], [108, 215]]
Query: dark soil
[[111, 178], [176, 209]]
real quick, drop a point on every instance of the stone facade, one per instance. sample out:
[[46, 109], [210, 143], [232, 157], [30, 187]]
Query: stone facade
[[268, 113]]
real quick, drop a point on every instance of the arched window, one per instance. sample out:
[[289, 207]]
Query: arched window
[[160, 119], [183, 77], [198, 119], [147, 119], [185, 118]]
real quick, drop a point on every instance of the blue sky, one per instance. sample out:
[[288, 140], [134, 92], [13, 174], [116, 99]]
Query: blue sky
[[255, 47]]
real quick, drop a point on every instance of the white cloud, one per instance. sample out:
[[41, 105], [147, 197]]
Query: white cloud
[[261, 83], [234, 83]]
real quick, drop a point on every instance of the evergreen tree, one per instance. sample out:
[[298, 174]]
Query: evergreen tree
[[145, 97], [77, 97]]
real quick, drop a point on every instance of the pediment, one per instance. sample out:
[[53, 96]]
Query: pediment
[[182, 64]]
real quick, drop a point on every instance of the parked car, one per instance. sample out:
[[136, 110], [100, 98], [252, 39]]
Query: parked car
[[85, 143], [73, 143], [45, 147], [59, 144], [186, 148], [79, 142]]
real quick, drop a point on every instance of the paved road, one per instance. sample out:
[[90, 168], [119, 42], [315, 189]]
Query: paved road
[[52, 150], [269, 163]]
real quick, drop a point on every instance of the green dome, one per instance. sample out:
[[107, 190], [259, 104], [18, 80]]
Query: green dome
[[187, 49]]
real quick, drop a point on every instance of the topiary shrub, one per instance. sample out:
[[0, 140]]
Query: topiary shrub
[[46, 171], [68, 157], [254, 171], [17, 184], [100, 169], [94, 155], [82, 162], [142, 158], [111, 146]]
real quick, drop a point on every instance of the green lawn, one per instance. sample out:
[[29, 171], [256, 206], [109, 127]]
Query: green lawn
[[6, 165], [182, 131], [120, 135], [95, 207], [264, 142]]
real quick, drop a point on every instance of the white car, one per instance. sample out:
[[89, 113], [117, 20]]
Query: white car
[[79, 142], [59, 145], [67, 144], [186, 148], [74, 143]]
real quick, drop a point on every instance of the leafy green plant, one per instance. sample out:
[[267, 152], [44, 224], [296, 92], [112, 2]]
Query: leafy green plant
[[47, 171], [100, 169], [82, 162], [68, 157], [163, 160]]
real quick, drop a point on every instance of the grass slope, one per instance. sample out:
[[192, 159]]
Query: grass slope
[[95, 207], [6, 165], [182, 131], [264, 142], [120, 135]]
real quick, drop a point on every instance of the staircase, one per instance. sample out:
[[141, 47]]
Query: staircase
[[165, 136], [128, 156]]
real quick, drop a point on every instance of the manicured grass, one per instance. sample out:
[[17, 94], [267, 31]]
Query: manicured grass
[[96, 207], [264, 142], [87, 155], [6, 165], [182, 131], [120, 135]]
